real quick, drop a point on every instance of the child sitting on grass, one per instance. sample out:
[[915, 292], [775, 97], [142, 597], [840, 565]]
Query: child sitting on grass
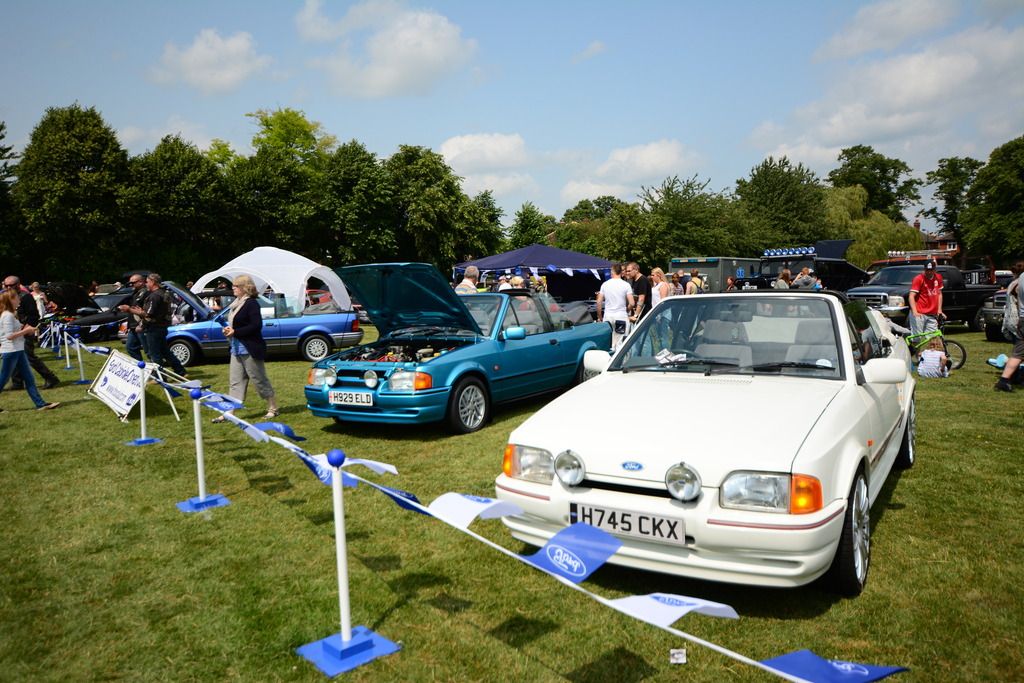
[[934, 361]]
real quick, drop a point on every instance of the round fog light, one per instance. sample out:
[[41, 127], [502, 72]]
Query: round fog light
[[683, 482], [569, 468], [370, 378]]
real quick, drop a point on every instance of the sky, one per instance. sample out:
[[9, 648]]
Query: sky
[[544, 101]]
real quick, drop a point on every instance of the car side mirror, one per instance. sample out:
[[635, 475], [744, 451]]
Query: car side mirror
[[885, 371], [596, 361], [515, 333]]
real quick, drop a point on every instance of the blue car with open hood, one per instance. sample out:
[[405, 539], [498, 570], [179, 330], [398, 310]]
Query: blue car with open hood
[[442, 356]]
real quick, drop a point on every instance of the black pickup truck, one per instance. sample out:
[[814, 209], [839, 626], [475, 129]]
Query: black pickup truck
[[889, 292]]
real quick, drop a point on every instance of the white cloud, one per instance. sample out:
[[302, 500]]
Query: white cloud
[[138, 139], [652, 161], [314, 26], [484, 151], [575, 190], [589, 52], [888, 24], [501, 184], [406, 52], [919, 105], [211, 63]]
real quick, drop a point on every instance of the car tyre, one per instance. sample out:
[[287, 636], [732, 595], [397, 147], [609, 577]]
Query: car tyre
[[977, 323], [908, 447], [849, 570], [185, 351], [994, 333], [469, 407], [315, 347]]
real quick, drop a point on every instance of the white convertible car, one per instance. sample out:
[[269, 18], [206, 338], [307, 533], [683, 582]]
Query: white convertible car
[[739, 437]]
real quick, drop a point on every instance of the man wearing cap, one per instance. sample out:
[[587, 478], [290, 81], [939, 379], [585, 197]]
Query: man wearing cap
[[926, 300], [503, 284]]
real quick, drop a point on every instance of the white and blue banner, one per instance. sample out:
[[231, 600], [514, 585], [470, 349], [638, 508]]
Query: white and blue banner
[[664, 609], [119, 381], [811, 667], [575, 552]]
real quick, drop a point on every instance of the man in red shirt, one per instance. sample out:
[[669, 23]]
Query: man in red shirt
[[926, 300]]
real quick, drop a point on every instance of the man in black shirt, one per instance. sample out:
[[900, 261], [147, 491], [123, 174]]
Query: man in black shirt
[[134, 342], [156, 318], [641, 290], [28, 314]]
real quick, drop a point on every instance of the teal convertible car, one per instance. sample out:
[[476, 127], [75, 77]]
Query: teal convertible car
[[444, 356]]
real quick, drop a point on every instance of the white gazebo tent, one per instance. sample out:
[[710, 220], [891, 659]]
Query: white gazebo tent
[[284, 272]]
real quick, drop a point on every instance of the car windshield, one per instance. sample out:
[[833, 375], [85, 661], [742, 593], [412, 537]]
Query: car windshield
[[894, 276], [775, 268], [484, 309], [741, 334]]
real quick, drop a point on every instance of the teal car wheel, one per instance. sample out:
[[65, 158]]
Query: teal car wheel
[[470, 407]]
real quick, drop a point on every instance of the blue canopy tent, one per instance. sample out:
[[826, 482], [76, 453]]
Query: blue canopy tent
[[570, 275]]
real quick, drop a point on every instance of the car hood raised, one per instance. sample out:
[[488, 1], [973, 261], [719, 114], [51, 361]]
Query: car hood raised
[[399, 295], [718, 424]]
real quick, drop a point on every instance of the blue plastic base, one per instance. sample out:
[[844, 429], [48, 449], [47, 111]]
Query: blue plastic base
[[329, 656], [216, 500], [143, 442], [70, 369], [82, 381]]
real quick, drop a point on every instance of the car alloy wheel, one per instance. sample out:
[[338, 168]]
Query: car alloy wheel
[[470, 406], [861, 507], [908, 449], [183, 351], [315, 347], [849, 570]]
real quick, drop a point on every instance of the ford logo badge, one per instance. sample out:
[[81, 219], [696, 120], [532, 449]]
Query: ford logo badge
[[566, 560], [632, 466]]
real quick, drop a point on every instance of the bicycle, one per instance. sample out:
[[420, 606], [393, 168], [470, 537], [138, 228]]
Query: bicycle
[[953, 349]]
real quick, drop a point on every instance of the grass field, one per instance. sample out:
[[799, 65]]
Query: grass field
[[102, 578]]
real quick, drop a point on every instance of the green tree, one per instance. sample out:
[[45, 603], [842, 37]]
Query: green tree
[[290, 131], [177, 205], [873, 233], [14, 236], [951, 180], [269, 190], [220, 153], [68, 182], [684, 219], [889, 182], [428, 205], [482, 233], [788, 201], [993, 221], [353, 200], [531, 226]]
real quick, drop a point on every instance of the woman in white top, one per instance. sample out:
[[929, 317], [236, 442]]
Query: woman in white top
[[12, 347], [660, 287]]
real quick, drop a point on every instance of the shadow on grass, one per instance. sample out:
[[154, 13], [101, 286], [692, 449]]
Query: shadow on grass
[[615, 665], [520, 631]]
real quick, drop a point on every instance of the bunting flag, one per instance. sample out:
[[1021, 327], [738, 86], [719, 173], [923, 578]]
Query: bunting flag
[[575, 552], [220, 402], [280, 428], [811, 667], [593, 271], [460, 509], [664, 609], [568, 271]]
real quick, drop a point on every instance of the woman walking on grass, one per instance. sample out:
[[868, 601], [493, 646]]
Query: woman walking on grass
[[12, 348], [245, 333]]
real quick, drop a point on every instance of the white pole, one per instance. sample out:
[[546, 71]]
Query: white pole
[[142, 399], [200, 466], [67, 352], [339, 541], [81, 368]]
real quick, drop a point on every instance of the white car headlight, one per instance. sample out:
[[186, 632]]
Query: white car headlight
[[569, 468], [532, 464], [683, 482], [761, 491], [896, 301], [321, 376]]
